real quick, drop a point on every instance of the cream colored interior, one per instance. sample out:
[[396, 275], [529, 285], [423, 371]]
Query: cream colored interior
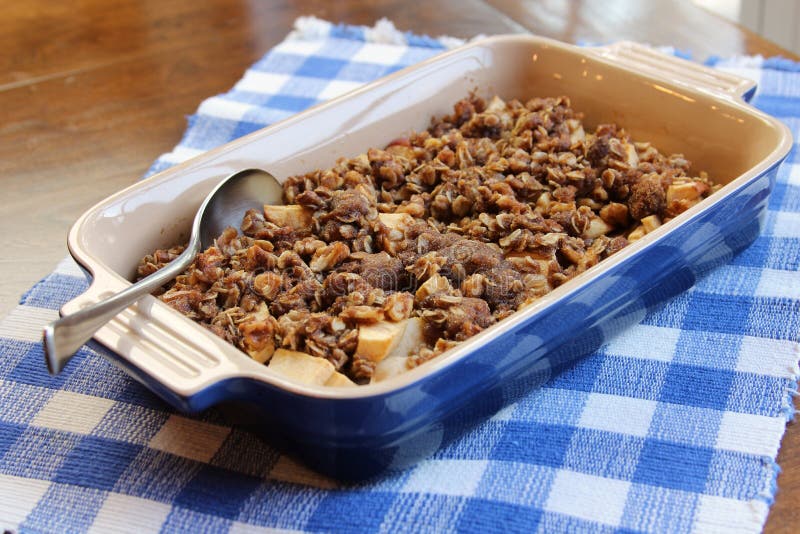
[[720, 136]]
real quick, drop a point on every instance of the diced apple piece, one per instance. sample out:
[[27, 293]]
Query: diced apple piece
[[395, 363], [637, 233], [337, 379], [301, 367], [632, 156], [376, 341], [496, 105], [576, 132], [293, 215], [432, 285], [596, 228], [650, 223], [530, 262], [687, 191], [396, 221]]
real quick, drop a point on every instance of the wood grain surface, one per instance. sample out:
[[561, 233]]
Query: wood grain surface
[[92, 91]]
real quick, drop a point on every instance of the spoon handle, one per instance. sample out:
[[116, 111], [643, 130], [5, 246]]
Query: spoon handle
[[63, 337]]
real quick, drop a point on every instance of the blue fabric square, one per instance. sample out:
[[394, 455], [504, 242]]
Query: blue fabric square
[[678, 423], [631, 377], [291, 103], [552, 405], [414, 512], [516, 483], [279, 63], [673, 465], [181, 521], [217, 489], [57, 290], [37, 452], [208, 132], [717, 313], [697, 386], [64, 508], [760, 395], [579, 376], [620, 458], [670, 314], [280, 505], [362, 72], [533, 443], [321, 67], [144, 478], [244, 128], [372, 508], [655, 509], [554, 522], [764, 311], [9, 434], [481, 515], [749, 482], [32, 370], [97, 462], [707, 349]]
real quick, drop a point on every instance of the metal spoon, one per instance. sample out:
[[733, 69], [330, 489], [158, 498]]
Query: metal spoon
[[223, 207]]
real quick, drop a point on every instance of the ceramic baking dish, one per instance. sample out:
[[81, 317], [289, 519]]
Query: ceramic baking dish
[[356, 432]]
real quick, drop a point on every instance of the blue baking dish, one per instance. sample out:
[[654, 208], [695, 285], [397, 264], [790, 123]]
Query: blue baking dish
[[358, 432]]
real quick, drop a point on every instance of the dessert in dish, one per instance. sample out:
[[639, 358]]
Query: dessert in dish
[[389, 259]]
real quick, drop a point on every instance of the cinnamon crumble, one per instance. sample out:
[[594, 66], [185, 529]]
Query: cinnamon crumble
[[388, 259]]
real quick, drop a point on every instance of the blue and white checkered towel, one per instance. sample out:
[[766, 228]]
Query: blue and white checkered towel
[[673, 426]]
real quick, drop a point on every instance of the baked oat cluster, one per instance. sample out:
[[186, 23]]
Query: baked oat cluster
[[388, 259]]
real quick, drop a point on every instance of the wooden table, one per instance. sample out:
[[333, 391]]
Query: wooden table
[[92, 91]]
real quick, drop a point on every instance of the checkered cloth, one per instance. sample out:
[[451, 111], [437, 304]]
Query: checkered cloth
[[673, 426]]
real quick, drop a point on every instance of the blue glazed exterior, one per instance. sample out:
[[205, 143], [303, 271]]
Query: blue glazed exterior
[[355, 438]]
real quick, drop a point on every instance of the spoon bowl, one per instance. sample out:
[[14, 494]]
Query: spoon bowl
[[223, 207]]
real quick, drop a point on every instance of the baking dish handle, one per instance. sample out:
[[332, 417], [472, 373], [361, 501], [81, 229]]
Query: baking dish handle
[[681, 71], [157, 347]]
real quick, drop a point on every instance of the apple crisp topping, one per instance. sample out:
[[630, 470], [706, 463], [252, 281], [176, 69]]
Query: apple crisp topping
[[388, 259]]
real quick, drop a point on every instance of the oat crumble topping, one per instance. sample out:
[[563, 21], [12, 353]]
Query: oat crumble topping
[[388, 259]]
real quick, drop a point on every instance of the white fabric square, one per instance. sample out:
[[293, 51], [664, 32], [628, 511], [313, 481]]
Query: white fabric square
[[73, 412], [300, 47], [69, 267], [645, 342], [769, 357], [25, 323], [224, 109], [446, 477], [181, 154], [750, 434], [18, 497], [196, 440], [121, 514], [780, 284], [588, 497], [794, 175], [288, 470], [719, 514], [243, 528], [785, 224], [381, 54], [624, 415], [337, 88], [266, 83]]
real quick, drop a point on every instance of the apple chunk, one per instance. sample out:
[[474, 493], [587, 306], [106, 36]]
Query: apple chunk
[[307, 369], [376, 341], [293, 215], [396, 362]]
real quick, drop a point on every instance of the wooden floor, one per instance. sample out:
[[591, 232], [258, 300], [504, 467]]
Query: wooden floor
[[92, 91]]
